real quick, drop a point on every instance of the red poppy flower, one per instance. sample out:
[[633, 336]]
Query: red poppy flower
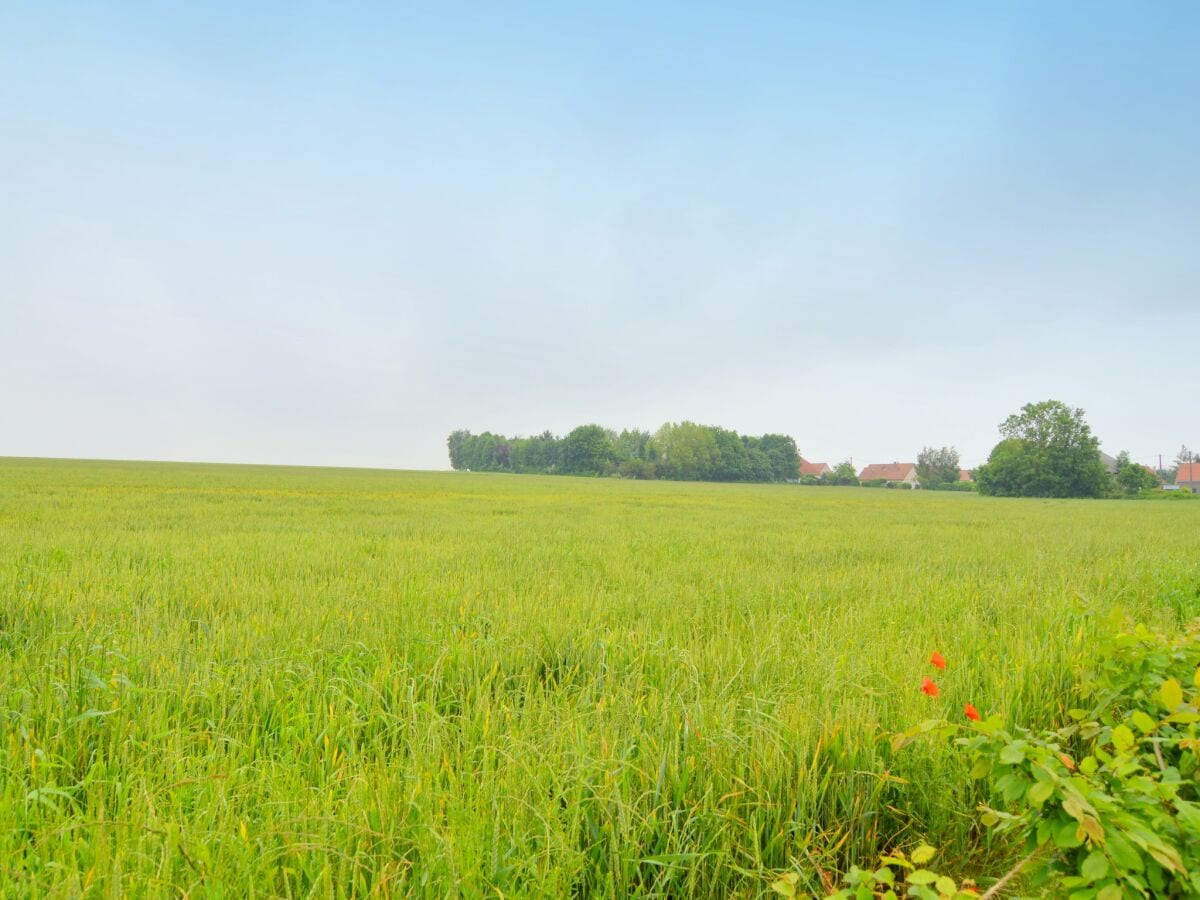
[[929, 686], [937, 660], [971, 713]]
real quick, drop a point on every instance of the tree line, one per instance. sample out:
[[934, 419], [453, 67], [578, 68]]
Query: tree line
[[1046, 450], [679, 451]]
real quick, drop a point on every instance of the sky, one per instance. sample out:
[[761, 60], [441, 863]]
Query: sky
[[331, 233]]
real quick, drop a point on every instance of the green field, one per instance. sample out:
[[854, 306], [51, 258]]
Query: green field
[[279, 681]]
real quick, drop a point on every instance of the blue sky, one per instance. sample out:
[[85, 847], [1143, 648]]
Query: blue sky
[[332, 233]]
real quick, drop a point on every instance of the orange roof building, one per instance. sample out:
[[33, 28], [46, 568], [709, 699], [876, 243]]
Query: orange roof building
[[1188, 477], [812, 468], [901, 473]]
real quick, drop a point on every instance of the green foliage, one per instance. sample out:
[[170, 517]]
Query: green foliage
[[542, 453], [1131, 478], [457, 445], [1124, 820], [897, 875], [682, 451], [1047, 450], [841, 474], [963, 487], [1106, 806], [937, 466], [783, 455], [686, 451], [587, 450]]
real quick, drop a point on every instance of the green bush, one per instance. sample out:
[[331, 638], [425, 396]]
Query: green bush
[[1106, 806], [960, 486]]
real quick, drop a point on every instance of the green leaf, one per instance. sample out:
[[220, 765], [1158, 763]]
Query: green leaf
[[922, 876], [1143, 722], [1016, 790], [1122, 738], [1040, 793], [1167, 857], [946, 886], [1171, 694], [923, 854], [786, 885], [884, 876], [1012, 754], [1110, 892], [1122, 853], [1095, 866], [1093, 829], [1045, 830], [1067, 837]]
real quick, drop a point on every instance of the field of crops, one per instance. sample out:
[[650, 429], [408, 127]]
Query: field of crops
[[273, 681]]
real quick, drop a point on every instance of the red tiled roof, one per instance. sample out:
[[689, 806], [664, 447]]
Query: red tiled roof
[[889, 471], [1188, 472], [812, 468], [965, 475]]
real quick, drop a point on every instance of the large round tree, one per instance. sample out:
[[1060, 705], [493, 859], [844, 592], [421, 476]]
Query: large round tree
[[1047, 450]]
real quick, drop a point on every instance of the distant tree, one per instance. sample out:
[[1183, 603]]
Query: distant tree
[[937, 465], [732, 462], [1183, 457], [487, 452], [1133, 478], [1047, 450], [457, 444], [632, 444], [686, 451], [636, 468], [843, 473], [544, 453], [502, 455], [587, 450], [759, 462], [784, 456]]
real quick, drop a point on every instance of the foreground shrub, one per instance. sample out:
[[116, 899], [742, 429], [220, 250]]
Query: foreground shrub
[[1107, 806]]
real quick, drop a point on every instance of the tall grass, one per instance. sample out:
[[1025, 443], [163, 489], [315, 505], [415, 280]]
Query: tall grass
[[268, 681]]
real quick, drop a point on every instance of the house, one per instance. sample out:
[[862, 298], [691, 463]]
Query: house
[[1110, 463], [966, 475], [898, 472], [812, 468], [1188, 477]]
